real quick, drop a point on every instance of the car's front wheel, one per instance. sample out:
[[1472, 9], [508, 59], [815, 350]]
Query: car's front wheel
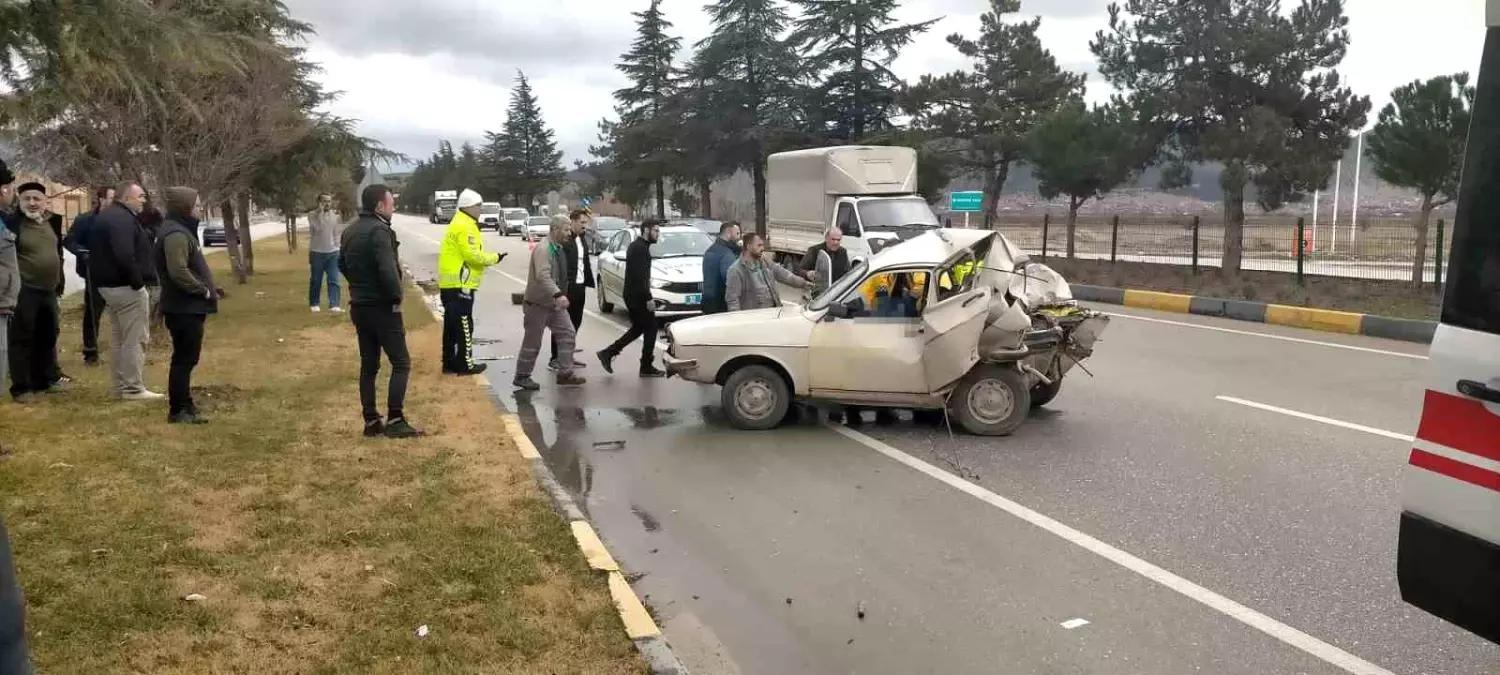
[[605, 306], [756, 398], [992, 400]]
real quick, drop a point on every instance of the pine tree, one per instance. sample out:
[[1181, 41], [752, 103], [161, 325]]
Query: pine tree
[[850, 46], [643, 138], [525, 153]]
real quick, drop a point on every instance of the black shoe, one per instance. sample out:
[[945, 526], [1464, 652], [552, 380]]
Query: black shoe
[[476, 369], [399, 428], [186, 417], [525, 384], [374, 428], [449, 370], [652, 371], [606, 361], [570, 380], [91, 361]]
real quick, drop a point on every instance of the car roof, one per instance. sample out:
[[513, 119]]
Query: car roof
[[669, 228], [928, 248]]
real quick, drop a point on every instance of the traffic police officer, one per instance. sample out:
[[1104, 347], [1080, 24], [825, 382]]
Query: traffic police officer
[[461, 266]]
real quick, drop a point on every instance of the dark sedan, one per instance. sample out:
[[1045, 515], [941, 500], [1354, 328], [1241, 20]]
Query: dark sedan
[[213, 232]]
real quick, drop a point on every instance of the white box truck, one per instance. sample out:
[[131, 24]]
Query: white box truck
[[868, 192], [442, 206]]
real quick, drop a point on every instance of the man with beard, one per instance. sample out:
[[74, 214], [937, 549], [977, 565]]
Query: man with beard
[[751, 282], [716, 261], [32, 333], [93, 303], [639, 303]]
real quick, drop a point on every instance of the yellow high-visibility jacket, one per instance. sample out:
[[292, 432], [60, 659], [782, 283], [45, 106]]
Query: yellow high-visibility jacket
[[462, 259]]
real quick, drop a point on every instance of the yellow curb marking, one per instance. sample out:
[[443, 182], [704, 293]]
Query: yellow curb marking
[[638, 622], [1316, 319], [593, 549], [519, 436], [1166, 302]]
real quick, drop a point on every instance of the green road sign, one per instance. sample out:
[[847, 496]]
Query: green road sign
[[966, 201]]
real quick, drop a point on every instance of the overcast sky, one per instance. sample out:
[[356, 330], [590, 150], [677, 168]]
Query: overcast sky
[[413, 73]]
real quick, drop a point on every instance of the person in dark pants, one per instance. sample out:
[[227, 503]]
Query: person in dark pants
[[32, 333], [369, 260], [14, 659], [93, 303], [716, 261], [188, 296], [461, 264], [638, 303], [580, 276]]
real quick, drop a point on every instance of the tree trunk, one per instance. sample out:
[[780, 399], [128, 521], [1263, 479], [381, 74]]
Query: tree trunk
[[705, 198], [1419, 266], [232, 240], [994, 182], [291, 233], [247, 242], [661, 198], [1233, 182], [758, 177], [1073, 205]]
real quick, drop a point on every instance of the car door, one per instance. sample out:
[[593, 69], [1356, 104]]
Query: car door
[[952, 321], [866, 353], [1448, 552], [612, 266]]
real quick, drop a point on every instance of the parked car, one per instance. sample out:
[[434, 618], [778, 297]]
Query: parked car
[[1448, 549], [538, 227], [514, 221], [708, 225], [489, 216], [955, 319], [602, 230], [676, 270], [212, 230]]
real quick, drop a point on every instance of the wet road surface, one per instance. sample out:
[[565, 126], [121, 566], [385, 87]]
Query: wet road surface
[[757, 550]]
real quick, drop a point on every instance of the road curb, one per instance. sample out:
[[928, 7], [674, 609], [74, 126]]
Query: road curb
[[1327, 320], [639, 625]]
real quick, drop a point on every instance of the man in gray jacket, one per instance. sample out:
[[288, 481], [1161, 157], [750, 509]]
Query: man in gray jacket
[[751, 283], [10, 294], [323, 253], [545, 307]]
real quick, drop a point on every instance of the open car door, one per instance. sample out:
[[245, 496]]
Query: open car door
[[957, 309], [1448, 555]]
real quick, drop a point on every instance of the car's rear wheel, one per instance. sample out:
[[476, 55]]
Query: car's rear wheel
[[756, 398], [992, 400], [605, 306]]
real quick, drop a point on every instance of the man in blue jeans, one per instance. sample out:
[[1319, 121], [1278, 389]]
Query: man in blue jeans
[[323, 246]]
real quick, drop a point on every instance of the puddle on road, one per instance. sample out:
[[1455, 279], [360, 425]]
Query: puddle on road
[[647, 520]]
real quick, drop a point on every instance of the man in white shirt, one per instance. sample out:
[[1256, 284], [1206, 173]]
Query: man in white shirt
[[324, 227], [580, 275]]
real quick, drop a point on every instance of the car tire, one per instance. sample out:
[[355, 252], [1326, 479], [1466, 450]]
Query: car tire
[[755, 398], [605, 307], [1042, 394], [992, 400]]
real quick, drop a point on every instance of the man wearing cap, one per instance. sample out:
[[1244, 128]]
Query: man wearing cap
[[461, 264], [33, 327]]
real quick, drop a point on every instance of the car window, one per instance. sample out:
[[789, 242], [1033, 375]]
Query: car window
[[899, 294], [845, 220], [851, 279], [1473, 293], [681, 244], [617, 244]]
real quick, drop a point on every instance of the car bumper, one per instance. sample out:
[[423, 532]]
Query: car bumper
[[672, 305], [1450, 574], [684, 368]]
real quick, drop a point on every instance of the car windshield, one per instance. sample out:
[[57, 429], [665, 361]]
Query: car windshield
[[489, 208], [516, 214], [889, 214], [850, 279], [681, 243], [536, 221], [445, 203], [609, 224]]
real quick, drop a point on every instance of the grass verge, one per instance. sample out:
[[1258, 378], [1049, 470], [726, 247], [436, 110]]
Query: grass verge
[[317, 551]]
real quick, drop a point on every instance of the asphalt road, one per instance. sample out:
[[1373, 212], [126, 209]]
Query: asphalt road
[[1192, 533]]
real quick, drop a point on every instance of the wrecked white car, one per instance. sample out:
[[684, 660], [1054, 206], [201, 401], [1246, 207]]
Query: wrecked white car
[[952, 320]]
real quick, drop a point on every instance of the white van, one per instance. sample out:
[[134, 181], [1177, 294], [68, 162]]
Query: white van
[[1448, 557]]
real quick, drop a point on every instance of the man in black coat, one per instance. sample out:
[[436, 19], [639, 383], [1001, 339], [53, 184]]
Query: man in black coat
[[93, 304], [580, 276], [120, 264], [33, 327], [639, 303]]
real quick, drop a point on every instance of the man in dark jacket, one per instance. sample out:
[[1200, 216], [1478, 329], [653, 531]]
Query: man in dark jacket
[[13, 657], [188, 296], [580, 277], [369, 259], [120, 264], [93, 304], [639, 303], [33, 328], [833, 244], [716, 261]]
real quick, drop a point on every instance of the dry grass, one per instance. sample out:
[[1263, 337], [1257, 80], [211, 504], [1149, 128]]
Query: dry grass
[[318, 551]]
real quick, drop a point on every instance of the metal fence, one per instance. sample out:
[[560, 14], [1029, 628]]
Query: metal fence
[[1373, 248]]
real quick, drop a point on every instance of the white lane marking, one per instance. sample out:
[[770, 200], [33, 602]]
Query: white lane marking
[[1328, 653], [1271, 336], [1316, 418], [1070, 624]]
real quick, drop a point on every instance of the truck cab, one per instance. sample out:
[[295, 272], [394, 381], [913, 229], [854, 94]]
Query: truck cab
[[443, 205], [1448, 551], [868, 192]]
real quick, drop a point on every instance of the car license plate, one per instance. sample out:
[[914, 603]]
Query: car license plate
[[695, 299]]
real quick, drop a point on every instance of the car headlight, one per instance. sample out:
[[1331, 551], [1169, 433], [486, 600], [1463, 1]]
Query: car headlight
[[658, 283]]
